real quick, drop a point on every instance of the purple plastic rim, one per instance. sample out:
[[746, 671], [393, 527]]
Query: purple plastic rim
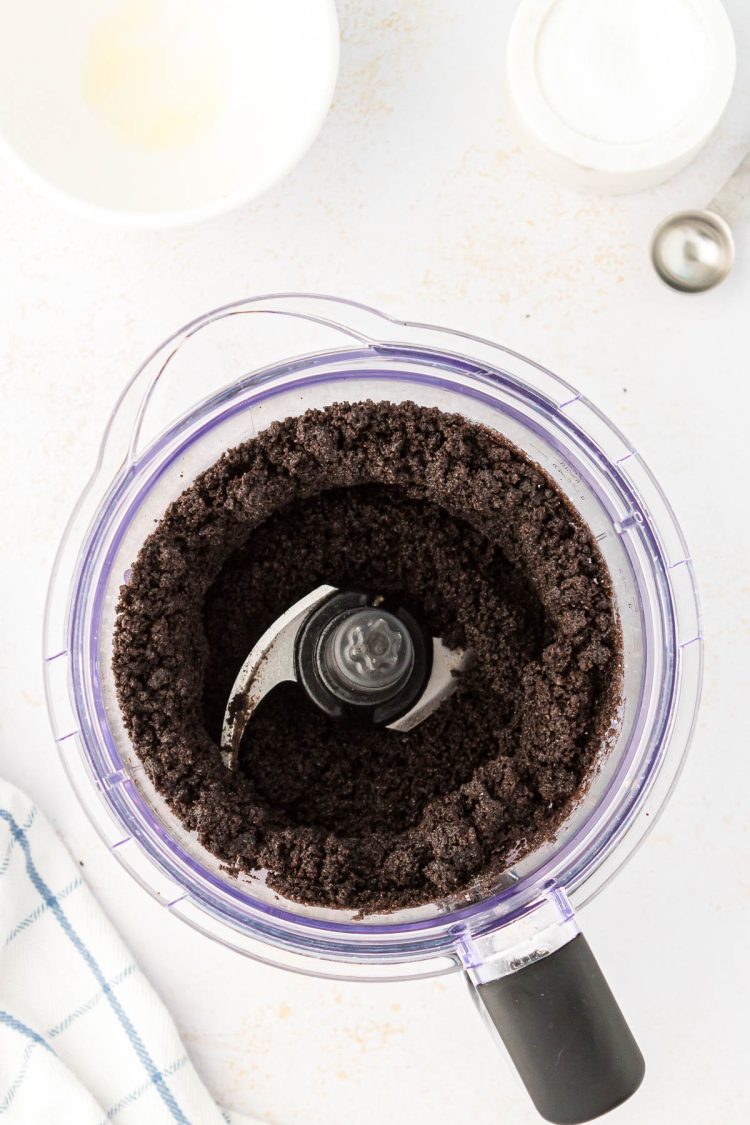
[[91, 713]]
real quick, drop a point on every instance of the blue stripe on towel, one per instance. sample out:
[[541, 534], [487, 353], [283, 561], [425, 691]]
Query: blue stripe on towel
[[11, 1021], [34, 1040], [12, 842], [40, 910], [155, 1075], [17, 1082], [139, 1091], [76, 1014]]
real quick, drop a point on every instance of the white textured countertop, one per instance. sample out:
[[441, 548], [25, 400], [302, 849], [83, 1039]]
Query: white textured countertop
[[418, 199]]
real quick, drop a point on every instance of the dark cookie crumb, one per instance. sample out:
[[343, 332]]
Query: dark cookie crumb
[[482, 543]]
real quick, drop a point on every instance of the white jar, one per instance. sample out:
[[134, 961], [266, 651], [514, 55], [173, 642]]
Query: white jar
[[618, 95]]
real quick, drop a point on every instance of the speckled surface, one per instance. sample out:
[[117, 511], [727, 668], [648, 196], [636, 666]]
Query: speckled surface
[[419, 199]]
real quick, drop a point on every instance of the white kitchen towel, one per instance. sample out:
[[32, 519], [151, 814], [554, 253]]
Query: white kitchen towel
[[84, 1039]]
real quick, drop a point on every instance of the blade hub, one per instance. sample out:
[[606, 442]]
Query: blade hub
[[367, 651]]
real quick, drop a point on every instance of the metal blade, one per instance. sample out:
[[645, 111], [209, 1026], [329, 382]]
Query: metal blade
[[271, 662], [441, 684]]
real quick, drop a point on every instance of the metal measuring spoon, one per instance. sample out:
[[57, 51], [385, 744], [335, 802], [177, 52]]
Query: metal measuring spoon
[[694, 250]]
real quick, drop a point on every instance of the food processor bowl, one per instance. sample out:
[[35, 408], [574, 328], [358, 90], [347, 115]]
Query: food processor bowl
[[226, 377]]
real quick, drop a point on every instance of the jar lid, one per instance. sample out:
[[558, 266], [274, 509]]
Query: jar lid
[[623, 92]]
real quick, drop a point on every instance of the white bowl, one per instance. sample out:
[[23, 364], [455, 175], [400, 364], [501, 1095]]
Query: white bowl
[[163, 112]]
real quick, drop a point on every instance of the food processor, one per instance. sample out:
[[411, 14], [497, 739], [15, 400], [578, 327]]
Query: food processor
[[224, 378]]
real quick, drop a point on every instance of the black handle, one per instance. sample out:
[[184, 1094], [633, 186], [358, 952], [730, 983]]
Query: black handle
[[566, 1034]]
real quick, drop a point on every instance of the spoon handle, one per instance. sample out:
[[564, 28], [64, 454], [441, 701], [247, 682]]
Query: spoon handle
[[732, 202]]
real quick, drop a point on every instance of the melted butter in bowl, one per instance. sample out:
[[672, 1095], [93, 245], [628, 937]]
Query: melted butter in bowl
[[154, 79]]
